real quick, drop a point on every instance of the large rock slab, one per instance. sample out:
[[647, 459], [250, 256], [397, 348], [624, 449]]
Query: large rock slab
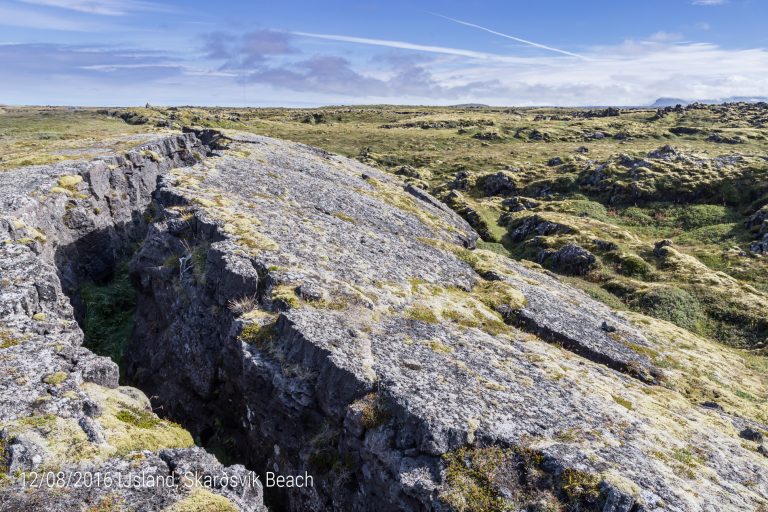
[[334, 322]]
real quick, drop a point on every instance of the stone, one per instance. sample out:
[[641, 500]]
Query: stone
[[750, 434], [570, 259]]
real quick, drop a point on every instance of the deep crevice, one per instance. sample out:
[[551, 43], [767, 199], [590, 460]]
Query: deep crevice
[[170, 295]]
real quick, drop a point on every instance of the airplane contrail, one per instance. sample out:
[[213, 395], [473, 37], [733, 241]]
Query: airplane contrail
[[411, 46], [518, 39]]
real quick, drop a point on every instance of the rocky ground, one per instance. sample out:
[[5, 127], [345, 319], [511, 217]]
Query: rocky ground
[[72, 438], [297, 311], [612, 182]]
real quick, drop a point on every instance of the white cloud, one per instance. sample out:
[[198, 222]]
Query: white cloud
[[296, 71], [100, 7], [665, 37], [16, 16], [709, 2]]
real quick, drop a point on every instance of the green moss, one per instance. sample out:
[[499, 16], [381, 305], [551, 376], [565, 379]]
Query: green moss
[[438, 347], [471, 475], [747, 396], [56, 379], [493, 247], [7, 340], [139, 418], [172, 262], [3, 459], [421, 313], [203, 500], [199, 261], [39, 317], [685, 460], [255, 333], [699, 215], [710, 235], [580, 487], [46, 421], [632, 265], [623, 402], [498, 293], [285, 296]]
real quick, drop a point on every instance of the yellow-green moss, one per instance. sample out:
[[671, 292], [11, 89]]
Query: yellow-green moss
[[56, 379], [67, 185], [344, 217], [38, 421], [202, 500], [39, 317], [127, 426], [623, 402], [580, 486], [255, 333], [421, 313], [69, 181], [137, 417], [470, 476], [286, 294], [7, 340], [497, 293]]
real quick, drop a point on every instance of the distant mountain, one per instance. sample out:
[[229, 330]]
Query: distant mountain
[[471, 105], [671, 102]]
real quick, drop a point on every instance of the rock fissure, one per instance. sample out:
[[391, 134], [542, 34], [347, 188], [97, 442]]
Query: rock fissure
[[291, 316]]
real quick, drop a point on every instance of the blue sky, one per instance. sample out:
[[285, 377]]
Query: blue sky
[[306, 53]]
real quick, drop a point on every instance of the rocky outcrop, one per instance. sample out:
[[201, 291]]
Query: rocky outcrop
[[64, 419], [331, 322], [308, 315]]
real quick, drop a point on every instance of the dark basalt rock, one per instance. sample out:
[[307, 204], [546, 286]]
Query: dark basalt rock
[[570, 259]]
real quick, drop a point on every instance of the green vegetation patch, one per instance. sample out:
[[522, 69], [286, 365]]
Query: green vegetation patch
[[674, 305], [109, 314], [421, 313], [138, 417]]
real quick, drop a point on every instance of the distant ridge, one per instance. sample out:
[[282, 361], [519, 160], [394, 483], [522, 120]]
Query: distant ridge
[[671, 102], [471, 105]]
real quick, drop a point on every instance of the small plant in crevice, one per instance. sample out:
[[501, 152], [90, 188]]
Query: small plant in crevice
[[109, 314], [374, 411]]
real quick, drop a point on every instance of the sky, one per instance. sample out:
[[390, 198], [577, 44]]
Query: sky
[[340, 52]]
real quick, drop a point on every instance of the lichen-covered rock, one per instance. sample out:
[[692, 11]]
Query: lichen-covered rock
[[64, 419], [307, 314], [409, 349]]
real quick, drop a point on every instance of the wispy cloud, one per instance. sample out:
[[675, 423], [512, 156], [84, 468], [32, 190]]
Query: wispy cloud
[[18, 16], [709, 2], [514, 38], [411, 46], [100, 7], [665, 37]]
